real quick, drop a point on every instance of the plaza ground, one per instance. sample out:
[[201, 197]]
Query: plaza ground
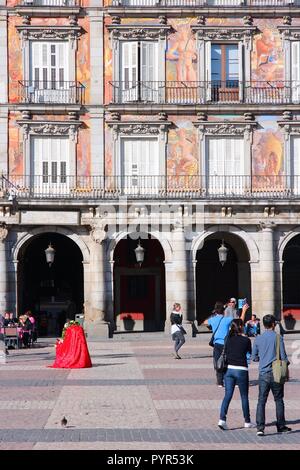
[[136, 396]]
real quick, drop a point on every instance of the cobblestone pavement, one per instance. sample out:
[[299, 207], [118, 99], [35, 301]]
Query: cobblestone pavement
[[136, 396]]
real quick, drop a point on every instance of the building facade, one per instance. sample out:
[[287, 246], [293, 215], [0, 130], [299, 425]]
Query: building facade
[[169, 124]]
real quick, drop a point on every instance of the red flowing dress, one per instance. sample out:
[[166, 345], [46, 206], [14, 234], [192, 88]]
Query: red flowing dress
[[73, 352]]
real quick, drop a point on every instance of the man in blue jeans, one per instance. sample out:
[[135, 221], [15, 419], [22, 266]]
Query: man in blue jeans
[[264, 351]]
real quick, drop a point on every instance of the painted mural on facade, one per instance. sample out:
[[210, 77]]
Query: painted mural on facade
[[15, 148], [15, 64], [267, 155], [267, 61], [182, 158], [181, 55]]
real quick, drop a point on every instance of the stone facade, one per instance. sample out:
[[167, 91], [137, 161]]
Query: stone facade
[[179, 110]]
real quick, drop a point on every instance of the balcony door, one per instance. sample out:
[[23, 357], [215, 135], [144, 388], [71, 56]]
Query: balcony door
[[295, 165], [295, 61], [50, 165], [49, 73], [224, 72], [139, 166], [139, 71], [225, 161]]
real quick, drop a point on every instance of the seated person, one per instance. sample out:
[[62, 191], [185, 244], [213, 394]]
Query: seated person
[[252, 327], [7, 321], [72, 351]]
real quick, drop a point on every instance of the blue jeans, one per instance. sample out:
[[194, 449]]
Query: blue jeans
[[266, 383], [179, 339], [234, 377]]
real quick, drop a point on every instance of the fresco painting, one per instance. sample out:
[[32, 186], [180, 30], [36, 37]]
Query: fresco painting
[[83, 59], [14, 59], [108, 64], [84, 148], [181, 55], [182, 158], [267, 57], [108, 151], [267, 159], [15, 151]]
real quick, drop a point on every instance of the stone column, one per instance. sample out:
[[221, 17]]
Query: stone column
[[177, 277], [263, 277], [94, 321], [3, 269]]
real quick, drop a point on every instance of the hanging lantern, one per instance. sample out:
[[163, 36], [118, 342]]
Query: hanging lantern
[[223, 251], [50, 254], [139, 253]]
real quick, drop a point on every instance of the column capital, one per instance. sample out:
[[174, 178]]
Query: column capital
[[3, 232], [266, 226]]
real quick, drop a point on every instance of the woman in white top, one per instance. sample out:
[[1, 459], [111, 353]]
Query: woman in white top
[[177, 331]]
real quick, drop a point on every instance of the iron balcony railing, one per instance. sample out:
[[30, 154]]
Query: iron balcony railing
[[154, 187], [54, 92], [186, 92], [51, 3], [204, 3]]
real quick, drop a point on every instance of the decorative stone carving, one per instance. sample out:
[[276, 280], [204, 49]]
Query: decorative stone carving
[[202, 116], [115, 20], [50, 128], [115, 116], [287, 116], [26, 20], [54, 33], [126, 32], [73, 20], [3, 232], [26, 114], [162, 116], [201, 20], [162, 19], [248, 20], [249, 116], [289, 32], [97, 233], [139, 129], [225, 129], [287, 20], [263, 225]]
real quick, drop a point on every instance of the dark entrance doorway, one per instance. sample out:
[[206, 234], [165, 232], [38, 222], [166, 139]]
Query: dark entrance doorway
[[139, 292], [216, 282], [51, 293], [290, 283]]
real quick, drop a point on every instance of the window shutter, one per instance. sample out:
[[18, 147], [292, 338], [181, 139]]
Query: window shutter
[[241, 70], [129, 75], [295, 64], [149, 71], [208, 69]]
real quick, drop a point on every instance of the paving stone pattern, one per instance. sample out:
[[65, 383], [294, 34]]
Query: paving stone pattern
[[135, 397]]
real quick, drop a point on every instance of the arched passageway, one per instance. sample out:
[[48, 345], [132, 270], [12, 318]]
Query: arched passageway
[[217, 282], [139, 291], [51, 293], [290, 282]]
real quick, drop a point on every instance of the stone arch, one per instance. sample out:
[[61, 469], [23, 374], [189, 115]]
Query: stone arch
[[250, 244], [166, 246], [285, 240], [49, 228]]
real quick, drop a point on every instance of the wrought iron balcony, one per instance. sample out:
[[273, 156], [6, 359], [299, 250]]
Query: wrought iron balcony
[[183, 92], [52, 92], [50, 3], [204, 3], [149, 187]]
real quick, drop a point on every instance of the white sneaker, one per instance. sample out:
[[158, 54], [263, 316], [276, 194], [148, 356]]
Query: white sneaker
[[249, 425], [222, 424]]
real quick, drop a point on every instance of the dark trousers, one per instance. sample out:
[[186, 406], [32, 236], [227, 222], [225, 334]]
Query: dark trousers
[[179, 339], [218, 348], [266, 383], [232, 378]]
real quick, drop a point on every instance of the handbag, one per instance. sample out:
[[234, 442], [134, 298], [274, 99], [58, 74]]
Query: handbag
[[182, 329], [279, 367], [221, 364], [211, 341]]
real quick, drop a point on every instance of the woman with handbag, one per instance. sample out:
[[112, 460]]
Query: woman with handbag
[[220, 326], [237, 347], [177, 330]]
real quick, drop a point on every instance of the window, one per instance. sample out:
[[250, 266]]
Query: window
[[139, 165], [295, 164], [225, 161], [48, 72], [295, 71], [49, 163], [139, 71], [224, 72]]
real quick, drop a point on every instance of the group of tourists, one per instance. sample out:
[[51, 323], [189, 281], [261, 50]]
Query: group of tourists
[[25, 326], [232, 353]]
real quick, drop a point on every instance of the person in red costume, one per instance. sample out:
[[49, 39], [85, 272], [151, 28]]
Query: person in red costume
[[72, 352]]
